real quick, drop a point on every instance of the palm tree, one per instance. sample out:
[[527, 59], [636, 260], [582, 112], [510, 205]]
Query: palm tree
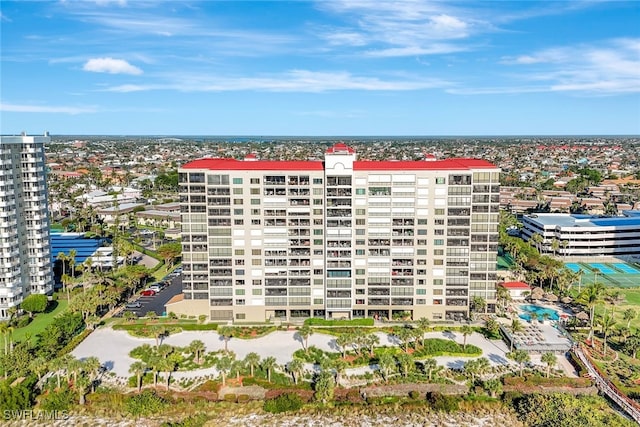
[[628, 315], [406, 362], [342, 341], [4, 330], [520, 357], [591, 296], [223, 364], [295, 367], [370, 340], [516, 326], [92, 365], [386, 364], [305, 332], [339, 366], [138, 369], [252, 360], [606, 322], [269, 364], [226, 332], [80, 386], [430, 366], [550, 360], [197, 347], [423, 326], [466, 331]]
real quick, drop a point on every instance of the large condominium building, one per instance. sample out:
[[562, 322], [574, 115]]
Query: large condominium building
[[25, 258], [338, 239], [585, 235]]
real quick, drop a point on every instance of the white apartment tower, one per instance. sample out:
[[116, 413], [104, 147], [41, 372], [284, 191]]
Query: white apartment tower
[[338, 239], [25, 257]]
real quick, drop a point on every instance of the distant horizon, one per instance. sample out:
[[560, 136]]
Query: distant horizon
[[291, 136]]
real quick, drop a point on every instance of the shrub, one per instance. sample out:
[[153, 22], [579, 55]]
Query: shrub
[[192, 421], [442, 402], [243, 398], [61, 400], [230, 397], [145, 403], [315, 321], [413, 394], [284, 403]]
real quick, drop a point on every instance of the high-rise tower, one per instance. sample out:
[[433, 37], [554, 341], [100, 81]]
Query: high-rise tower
[[25, 253]]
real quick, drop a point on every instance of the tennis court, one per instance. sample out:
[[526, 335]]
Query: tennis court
[[617, 274]]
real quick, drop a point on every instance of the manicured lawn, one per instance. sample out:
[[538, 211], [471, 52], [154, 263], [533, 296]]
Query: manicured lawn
[[632, 301], [633, 296], [40, 322]]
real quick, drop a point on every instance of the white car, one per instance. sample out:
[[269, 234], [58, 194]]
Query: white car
[[156, 288]]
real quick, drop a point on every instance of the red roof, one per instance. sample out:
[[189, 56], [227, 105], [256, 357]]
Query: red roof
[[302, 165], [340, 147], [515, 285], [448, 164]]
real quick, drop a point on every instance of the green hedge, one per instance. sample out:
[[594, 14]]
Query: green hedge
[[284, 403], [314, 321]]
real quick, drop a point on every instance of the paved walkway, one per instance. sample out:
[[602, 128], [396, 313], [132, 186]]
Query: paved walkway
[[112, 348]]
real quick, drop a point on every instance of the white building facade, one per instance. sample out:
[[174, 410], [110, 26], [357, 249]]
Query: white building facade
[[585, 235], [338, 239], [25, 250]]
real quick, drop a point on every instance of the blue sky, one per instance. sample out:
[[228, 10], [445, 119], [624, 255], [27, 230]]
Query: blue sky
[[331, 67]]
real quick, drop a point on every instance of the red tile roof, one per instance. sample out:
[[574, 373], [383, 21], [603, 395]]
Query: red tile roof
[[515, 285], [340, 147], [233, 164]]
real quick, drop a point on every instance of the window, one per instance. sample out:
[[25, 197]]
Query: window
[[238, 222], [239, 291], [239, 251], [317, 211], [237, 191], [257, 282], [438, 282], [254, 191], [255, 222], [418, 292], [438, 262], [439, 211], [317, 242], [317, 232], [361, 221], [255, 211], [237, 201], [361, 211], [359, 251], [256, 291], [438, 252], [440, 180], [317, 191], [421, 252], [256, 261], [317, 202], [240, 272], [255, 181], [238, 211], [361, 191], [237, 180], [317, 181], [360, 271], [422, 232], [438, 242], [422, 221], [361, 231], [241, 316], [255, 201], [256, 251]]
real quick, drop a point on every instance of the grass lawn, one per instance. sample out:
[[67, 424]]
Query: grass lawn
[[40, 321], [632, 297]]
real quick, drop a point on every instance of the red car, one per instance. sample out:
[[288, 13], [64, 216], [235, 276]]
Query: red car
[[148, 293]]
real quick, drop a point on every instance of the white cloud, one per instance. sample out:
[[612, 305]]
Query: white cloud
[[292, 81], [111, 66], [21, 108]]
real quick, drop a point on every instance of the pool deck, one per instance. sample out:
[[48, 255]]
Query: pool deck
[[541, 337]]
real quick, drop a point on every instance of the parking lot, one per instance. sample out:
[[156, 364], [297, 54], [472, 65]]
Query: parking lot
[[156, 302]]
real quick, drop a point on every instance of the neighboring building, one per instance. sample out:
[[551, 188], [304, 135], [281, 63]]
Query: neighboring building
[[120, 214], [582, 235], [25, 252], [518, 291], [338, 239]]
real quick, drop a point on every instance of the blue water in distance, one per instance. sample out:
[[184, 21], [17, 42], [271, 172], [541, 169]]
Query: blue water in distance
[[538, 311]]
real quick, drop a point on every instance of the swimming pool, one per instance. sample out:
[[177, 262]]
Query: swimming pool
[[530, 310]]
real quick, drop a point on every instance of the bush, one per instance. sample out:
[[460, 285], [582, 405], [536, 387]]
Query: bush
[[22, 321], [284, 403], [61, 400], [442, 402], [192, 421], [145, 403], [413, 394], [230, 398], [315, 321], [243, 398]]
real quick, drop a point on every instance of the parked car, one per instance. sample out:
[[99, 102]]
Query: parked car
[[133, 304], [157, 287], [148, 293]]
